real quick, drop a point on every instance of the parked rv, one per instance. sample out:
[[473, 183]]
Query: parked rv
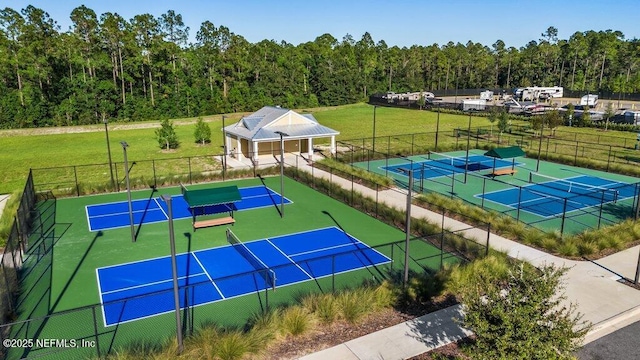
[[589, 100], [474, 104], [535, 93], [486, 95]]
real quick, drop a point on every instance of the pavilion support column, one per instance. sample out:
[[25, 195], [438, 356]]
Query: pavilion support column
[[333, 144], [255, 152], [310, 149], [239, 155]]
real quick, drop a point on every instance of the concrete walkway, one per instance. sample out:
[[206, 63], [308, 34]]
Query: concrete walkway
[[593, 286], [3, 202]]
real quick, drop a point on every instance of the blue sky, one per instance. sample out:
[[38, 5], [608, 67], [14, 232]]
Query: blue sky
[[401, 23]]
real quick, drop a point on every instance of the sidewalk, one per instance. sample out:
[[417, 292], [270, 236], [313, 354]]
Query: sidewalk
[[603, 301]]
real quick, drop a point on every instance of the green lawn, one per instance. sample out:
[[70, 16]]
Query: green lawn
[[26, 149]]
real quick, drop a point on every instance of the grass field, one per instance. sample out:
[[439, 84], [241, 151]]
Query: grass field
[[65, 278], [24, 149]]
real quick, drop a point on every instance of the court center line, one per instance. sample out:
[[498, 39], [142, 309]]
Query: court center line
[[161, 209], [150, 284], [209, 276], [290, 259]]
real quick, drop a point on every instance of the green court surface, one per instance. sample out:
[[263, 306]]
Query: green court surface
[[60, 274], [546, 213]]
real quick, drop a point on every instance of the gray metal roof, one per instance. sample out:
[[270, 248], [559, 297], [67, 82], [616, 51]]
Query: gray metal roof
[[256, 126]]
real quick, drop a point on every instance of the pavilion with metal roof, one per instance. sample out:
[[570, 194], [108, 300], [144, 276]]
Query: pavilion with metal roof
[[259, 134]]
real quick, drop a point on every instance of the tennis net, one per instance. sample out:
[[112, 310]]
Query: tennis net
[[447, 159], [573, 187], [268, 274], [462, 163]]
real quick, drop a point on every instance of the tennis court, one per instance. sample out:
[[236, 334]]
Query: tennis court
[[546, 196], [437, 165], [154, 209], [229, 271]]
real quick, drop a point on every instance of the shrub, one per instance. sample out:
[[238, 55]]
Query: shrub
[[202, 132], [522, 315], [296, 320], [166, 135]]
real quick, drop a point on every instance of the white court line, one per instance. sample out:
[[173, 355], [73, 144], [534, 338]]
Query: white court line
[[209, 276], [150, 284], [288, 258], [161, 209]]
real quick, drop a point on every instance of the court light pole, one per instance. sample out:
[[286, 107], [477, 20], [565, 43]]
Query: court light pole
[[407, 228], [540, 144], [106, 131], [224, 149], [282, 135], [437, 127], [466, 160], [174, 271], [126, 174], [374, 128]]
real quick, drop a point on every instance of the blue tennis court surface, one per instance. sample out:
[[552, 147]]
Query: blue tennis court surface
[[547, 199], [224, 272], [447, 166], [116, 215]]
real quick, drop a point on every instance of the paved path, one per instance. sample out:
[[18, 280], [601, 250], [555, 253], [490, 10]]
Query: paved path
[[3, 202], [593, 286]]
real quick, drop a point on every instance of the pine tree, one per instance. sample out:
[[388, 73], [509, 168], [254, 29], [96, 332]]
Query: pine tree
[[166, 135], [202, 132]]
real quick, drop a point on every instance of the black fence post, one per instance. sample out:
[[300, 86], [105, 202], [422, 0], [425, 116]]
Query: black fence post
[[117, 177], [351, 202], [95, 331], [484, 186], [486, 251], [413, 139], [519, 199], [189, 163], [600, 212], [376, 201], [575, 157], [75, 175], [608, 158], [333, 273], [153, 165], [564, 215]]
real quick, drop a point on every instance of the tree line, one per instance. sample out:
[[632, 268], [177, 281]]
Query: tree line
[[110, 68]]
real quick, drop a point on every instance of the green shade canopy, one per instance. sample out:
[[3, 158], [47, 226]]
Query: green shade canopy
[[210, 197], [505, 152]]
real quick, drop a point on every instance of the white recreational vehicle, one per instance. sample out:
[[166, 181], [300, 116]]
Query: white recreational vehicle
[[589, 100], [534, 93], [473, 104]]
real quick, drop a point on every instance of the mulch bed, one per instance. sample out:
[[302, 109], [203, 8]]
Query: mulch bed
[[326, 336]]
